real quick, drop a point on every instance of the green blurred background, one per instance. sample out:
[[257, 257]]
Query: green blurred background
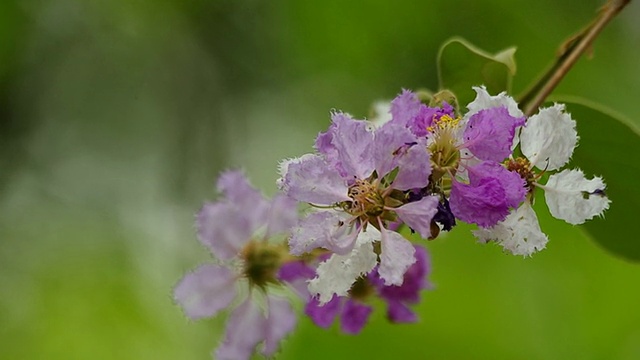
[[117, 115]]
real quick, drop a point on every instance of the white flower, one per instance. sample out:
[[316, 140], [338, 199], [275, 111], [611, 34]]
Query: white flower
[[548, 141]]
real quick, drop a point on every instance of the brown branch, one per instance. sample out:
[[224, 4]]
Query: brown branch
[[569, 53]]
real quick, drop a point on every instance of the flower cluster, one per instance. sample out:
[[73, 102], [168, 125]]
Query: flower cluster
[[420, 167]]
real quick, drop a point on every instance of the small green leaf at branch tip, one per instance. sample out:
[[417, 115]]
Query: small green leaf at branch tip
[[608, 147], [462, 65]]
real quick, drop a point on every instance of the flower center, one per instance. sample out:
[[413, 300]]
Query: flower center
[[367, 200], [444, 123], [445, 155], [261, 263], [522, 167]]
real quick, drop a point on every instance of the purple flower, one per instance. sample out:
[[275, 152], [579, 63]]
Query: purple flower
[[236, 229], [353, 309], [398, 297], [351, 175], [465, 156]]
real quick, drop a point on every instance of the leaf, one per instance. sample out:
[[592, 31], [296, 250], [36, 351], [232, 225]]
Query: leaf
[[608, 147], [462, 65]]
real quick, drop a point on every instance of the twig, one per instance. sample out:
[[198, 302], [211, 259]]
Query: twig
[[569, 53]]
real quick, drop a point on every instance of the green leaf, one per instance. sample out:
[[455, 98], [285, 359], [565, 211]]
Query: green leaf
[[609, 145], [462, 65]]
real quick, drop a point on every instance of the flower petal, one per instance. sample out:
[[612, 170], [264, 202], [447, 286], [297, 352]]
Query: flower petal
[[324, 143], [327, 229], [489, 133], [573, 198], [399, 313], [414, 168], [205, 291], [353, 141], [354, 317], [519, 233], [281, 320], [514, 186], [237, 190], [224, 229], [246, 327], [549, 138], [484, 203], [282, 215], [418, 214], [415, 280], [323, 315], [339, 272], [296, 274], [389, 140], [396, 257], [485, 101], [426, 115], [311, 179], [404, 107]]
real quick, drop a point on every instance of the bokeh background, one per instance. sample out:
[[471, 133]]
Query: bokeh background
[[116, 117]]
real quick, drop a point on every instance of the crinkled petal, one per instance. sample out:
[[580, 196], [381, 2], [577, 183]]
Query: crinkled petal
[[246, 327], [549, 138], [282, 215], [324, 142], [404, 107], [326, 229], [484, 204], [224, 229], [424, 119], [397, 312], [485, 101], [353, 141], [514, 186], [207, 290], [415, 280], [489, 133], [519, 233], [414, 168], [323, 315], [354, 317], [281, 320], [311, 179], [339, 272], [418, 214], [396, 257], [387, 149], [573, 198]]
